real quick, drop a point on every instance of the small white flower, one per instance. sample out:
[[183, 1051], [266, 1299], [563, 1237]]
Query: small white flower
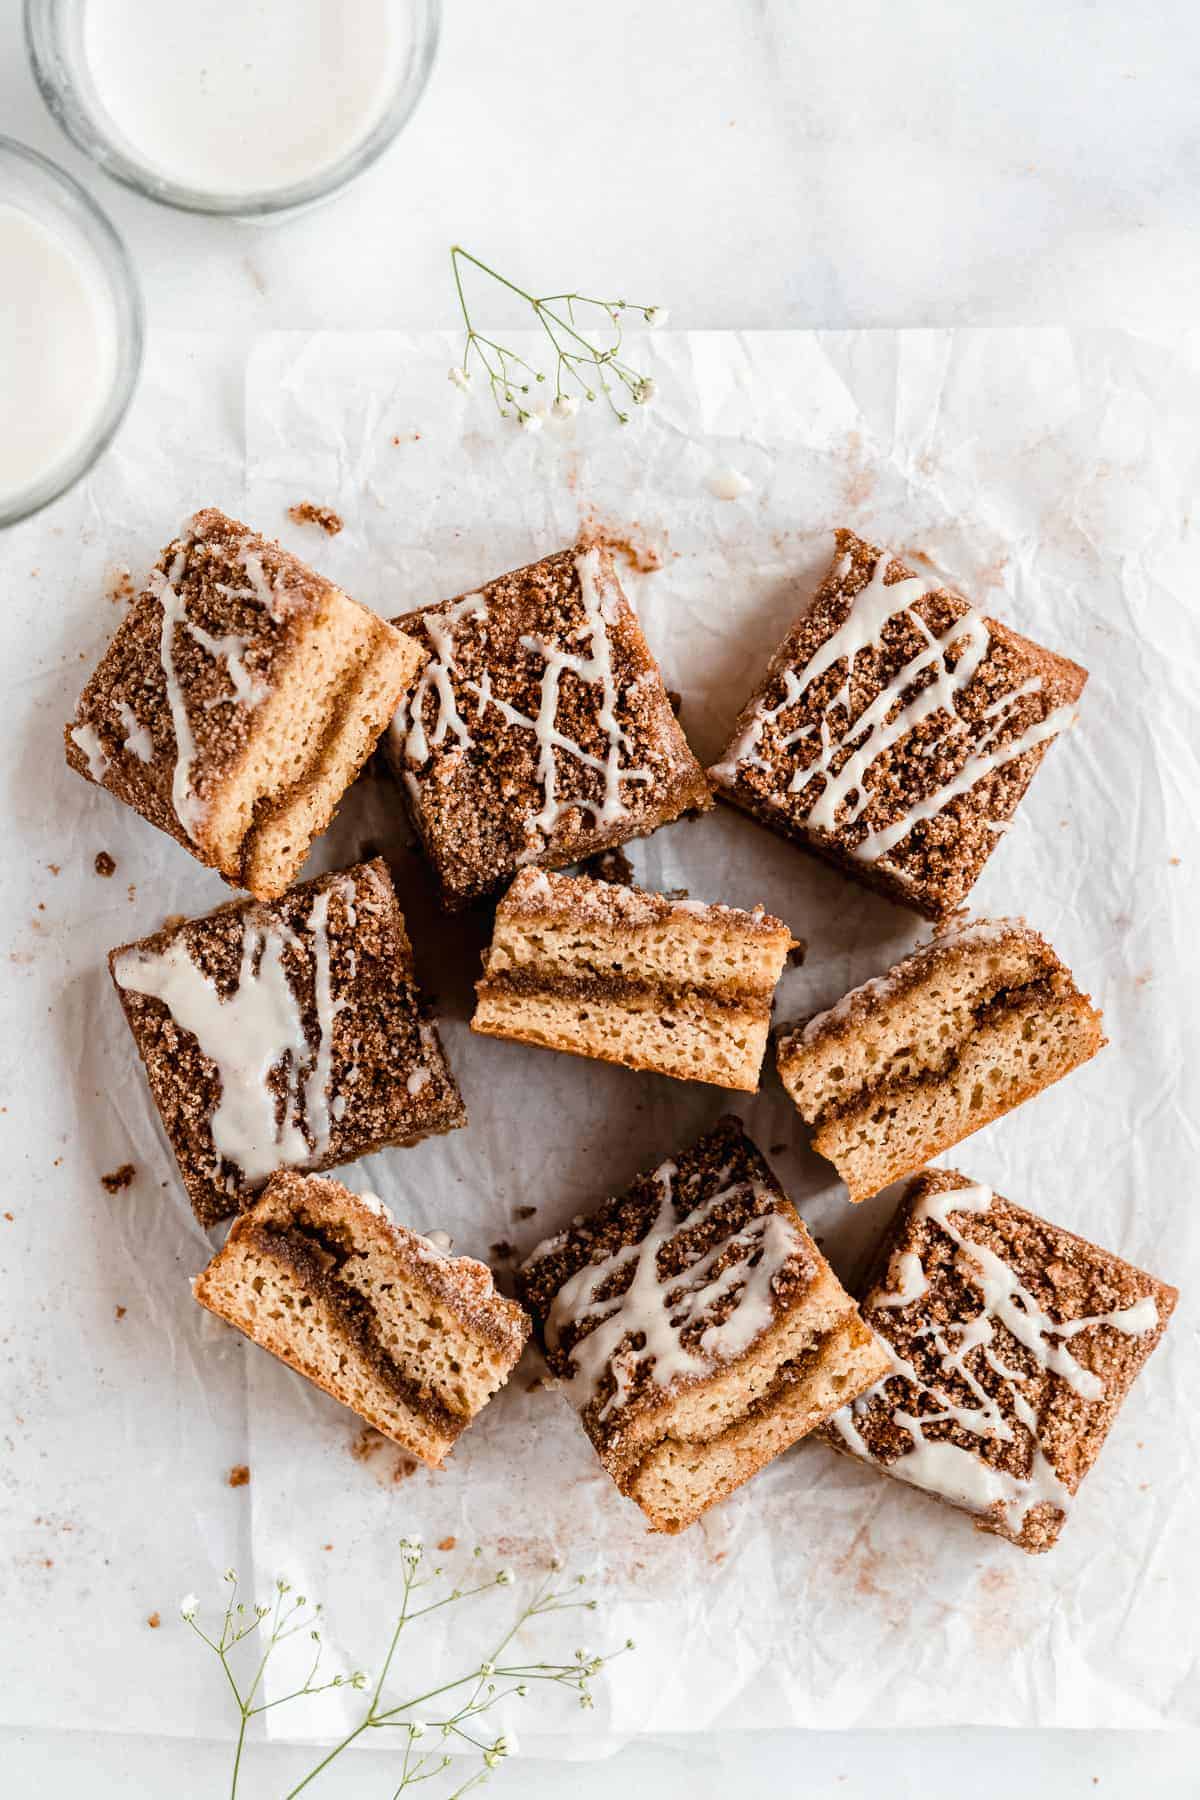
[[359, 1679], [506, 1744], [529, 421], [656, 316], [505, 1578], [461, 379], [644, 391], [231, 1574], [410, 1549], [189, 1606], [417, 1728], [487, 1668], [566, 406]]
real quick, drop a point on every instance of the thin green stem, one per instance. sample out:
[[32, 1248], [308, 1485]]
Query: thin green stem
[[237, 1758], [326, 1760]]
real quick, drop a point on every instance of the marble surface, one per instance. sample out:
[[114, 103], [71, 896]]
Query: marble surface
[[765, 164]]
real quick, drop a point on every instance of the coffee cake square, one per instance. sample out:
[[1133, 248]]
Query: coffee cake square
[[1012, 1346], [285, 1035], [897, 730], [697, 1328], [955, 1035], [676, 987], [238, 701], [540, 731], [414, 1340]]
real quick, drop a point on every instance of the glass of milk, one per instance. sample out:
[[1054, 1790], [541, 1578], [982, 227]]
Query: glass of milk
[[70, 331], [242, 107]]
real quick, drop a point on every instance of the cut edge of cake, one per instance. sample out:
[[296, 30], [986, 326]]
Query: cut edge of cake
[[412, 1339], [787, 1385], [958, 1033], [676, 987], [304, 768]]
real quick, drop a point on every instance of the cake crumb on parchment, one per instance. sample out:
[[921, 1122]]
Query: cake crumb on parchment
[[117, 1179], [306, 513]]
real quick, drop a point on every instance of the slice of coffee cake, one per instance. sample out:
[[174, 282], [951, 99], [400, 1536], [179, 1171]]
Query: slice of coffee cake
[[288, 1035], [897, 729], [958, 1033], [540, 731], [1012, 1346], [238, 701], [697, 1327], [412, 1339], [674, 986]]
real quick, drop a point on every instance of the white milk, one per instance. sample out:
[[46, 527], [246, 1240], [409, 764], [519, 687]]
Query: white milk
[[242, 96], [58, 348]]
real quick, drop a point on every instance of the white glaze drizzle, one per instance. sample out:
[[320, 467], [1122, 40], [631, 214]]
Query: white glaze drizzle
[[138, 741], [906, 1281], [262, 588], [254, 1030], [408, 727], [658, 1311], [189, 809], [87, 739], [939, 1465], [230, 650], [374, 1204], [845, 796], [316, 1086], [595, 667]]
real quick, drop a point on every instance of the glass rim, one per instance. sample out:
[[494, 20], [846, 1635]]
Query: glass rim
[[66, 105], [82, 212]]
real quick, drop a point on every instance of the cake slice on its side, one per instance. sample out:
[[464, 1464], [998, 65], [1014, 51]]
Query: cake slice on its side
[[914, 1061], [414, 1340], [697, 1327], [673, 986]]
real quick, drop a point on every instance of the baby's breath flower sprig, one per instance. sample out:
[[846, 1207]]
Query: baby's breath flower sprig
[[447, 1714], [585, 334], [285, 1616]]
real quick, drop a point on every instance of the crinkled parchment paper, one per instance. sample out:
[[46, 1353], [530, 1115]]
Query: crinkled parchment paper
[[1049, 473]]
